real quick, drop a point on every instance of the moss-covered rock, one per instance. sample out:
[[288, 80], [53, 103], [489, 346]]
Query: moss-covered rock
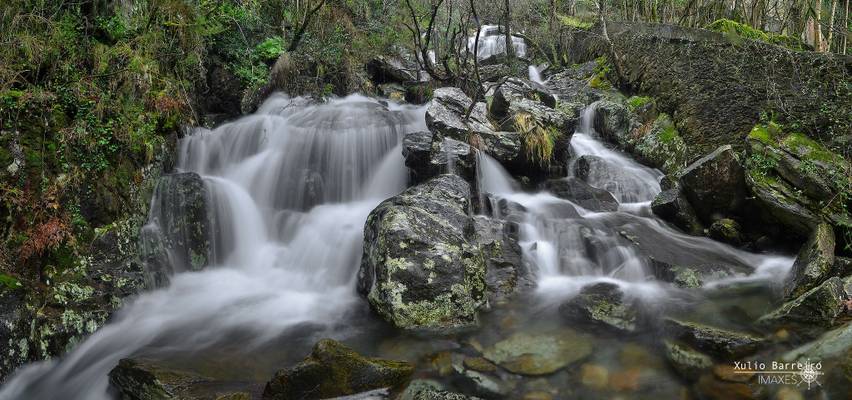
[[422, 267], [811, 312], [722, 343], [686, 361], [726, 230], [333, 370], [814, 264], [539, 354], [603, 305]]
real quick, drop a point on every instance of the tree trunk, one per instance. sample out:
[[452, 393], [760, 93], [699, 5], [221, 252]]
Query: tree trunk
[[507, 25], [830, 37]]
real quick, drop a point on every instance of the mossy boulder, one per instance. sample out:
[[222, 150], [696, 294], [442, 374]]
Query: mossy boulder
[[614, 122], [603, 305], [811, 312], [723, 343], [797, 183], [726, 230], [658, 144], [539, 354], [333, 370], [814, 264], [693, 276], [686, 361], [422, 267]]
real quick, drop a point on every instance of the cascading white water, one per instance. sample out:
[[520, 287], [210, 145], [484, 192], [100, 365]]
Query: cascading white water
[[291, 187], [535, 74], [493, 42], [572, 247]]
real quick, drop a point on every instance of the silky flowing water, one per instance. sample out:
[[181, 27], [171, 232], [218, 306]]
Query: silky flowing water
[[289, 190]]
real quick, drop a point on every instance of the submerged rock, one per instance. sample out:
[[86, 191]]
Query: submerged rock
[[723, 343], [539, 354], [603, 305], [422, 267], [715, 184], [814, 263], [333, 370], [686, 361], [812, 311], [672, 206], [137, 379], [583, 194], [442, 395], [692, 276]]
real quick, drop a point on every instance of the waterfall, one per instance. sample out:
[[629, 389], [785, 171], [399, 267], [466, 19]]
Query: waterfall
[[289, 190], [572, 247], [493, 42], [535, 74]]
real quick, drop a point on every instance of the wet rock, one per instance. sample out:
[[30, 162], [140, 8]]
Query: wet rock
[[723, 343], [657, 143], [539, 354], [138, 379], [726, 230], [481, 384], [177, 237], [417, 150], [614, 121], [812, 311], [332, 370], [842, 266], [790, 177], [391, 69], [583, 194], [692, 276], [420, 385], [392, 91], [671, 205], [711, 387], [594, 376], [506, 272], [832, 344], [603, 305], [422, 267], [715, 184], [686, 361], [14, 330], [514, 89], [479, 364], [814, 263], [442, 395], [446, 115]]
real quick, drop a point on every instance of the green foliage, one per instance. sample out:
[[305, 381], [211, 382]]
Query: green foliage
[[636, 102], [737, 30], [574, 22], [9, 282]]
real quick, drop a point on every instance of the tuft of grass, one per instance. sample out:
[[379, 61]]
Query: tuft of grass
[[539, 141]]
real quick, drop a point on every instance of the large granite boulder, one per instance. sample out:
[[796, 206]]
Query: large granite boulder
[[814, 264], [715, 184], [428, 155], [333, 370], [422, 267]]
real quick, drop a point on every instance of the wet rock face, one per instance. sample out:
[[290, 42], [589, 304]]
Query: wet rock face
[[13, 329], [506, 273], [428, 155], [178, 234], [333, 370], [447, 111], [814, 262], [722, 343], [391, 69], [693, 276], [614, 122], [583, 194], [422, 267], [715, 184], [687, 362], [603, 305], [139, 379]]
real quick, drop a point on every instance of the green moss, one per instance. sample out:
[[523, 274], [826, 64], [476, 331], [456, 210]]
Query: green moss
[[809, 149], [735, 28], [574, 22], [9, 282], [637, 102]]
